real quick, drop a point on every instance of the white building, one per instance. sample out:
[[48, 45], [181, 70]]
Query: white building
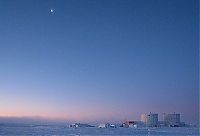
[[102, 126], [107, 125], [150, 120]]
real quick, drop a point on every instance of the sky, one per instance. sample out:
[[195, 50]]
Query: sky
[[99, 60]]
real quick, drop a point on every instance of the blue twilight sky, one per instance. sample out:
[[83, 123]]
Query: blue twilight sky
[[99, 59]]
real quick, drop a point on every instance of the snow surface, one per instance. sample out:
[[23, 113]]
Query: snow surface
[[57, 130]]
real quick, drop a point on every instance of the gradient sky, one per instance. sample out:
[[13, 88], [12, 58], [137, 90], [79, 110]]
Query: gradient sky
[[99, 59]]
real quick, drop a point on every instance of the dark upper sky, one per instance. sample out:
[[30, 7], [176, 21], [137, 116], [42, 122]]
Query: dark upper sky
[[99, 59]]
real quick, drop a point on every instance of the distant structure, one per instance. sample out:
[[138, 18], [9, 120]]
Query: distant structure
[[77, 125], [107, 125], [129, 124], [172, 120], [150, 120]]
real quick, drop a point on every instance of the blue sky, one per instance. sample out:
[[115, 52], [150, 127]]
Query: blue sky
[[99, 60]]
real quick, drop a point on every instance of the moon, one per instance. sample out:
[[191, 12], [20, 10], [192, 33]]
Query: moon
[[51, 10]]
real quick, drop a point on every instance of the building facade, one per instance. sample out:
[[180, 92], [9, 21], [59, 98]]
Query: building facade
[[172, 120], [150, 120]]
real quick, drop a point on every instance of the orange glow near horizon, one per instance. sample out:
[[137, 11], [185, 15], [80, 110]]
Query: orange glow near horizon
[[77, 115], [73, 115], [69, 111]]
